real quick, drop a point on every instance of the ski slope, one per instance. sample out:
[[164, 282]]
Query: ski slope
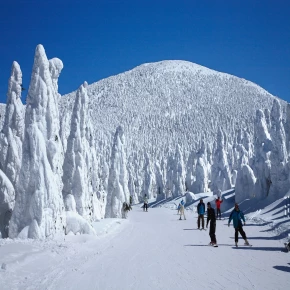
[[149, 250]]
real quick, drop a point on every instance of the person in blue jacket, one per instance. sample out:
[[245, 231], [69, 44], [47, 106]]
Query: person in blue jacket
[[238, 216], [200, 211]]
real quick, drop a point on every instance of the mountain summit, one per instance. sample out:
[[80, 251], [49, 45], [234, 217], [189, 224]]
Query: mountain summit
[[160, 103]]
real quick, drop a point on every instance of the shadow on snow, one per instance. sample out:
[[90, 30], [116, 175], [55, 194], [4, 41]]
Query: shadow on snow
[[282, 268]]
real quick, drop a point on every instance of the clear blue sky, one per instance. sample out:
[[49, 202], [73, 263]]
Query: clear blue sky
[[99, 38]]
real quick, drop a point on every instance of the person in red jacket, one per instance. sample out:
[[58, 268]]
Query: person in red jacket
[[218, 202]]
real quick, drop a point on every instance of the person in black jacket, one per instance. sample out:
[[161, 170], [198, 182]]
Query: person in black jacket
[[211, 217]]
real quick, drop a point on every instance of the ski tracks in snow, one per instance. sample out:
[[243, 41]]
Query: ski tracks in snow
[[155, 250]]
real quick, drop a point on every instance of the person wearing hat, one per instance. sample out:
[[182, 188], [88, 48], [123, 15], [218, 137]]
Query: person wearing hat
[[200, 211], [237, 216], [211, 217]]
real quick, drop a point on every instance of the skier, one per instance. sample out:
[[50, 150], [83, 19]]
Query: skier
[[182, 209], [200, 211], [218, 202], [145, 207], [287, 246], [131, 199], [212, 226], [237, 216]]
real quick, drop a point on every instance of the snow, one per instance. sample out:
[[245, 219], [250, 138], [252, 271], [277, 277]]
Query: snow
[[150, 250], [166, 131], [160, 103]]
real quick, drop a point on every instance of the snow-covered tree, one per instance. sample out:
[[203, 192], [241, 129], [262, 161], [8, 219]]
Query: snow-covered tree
[[169, 177], [159, 182], [278, 158], [148, 178], [261, 163], [11, 136], [189, 171], [178, 177], [79, 168], [245, 184], [201, 183], [38, 211], [7, 201], [287, 127], [118, 181], [220, 174]]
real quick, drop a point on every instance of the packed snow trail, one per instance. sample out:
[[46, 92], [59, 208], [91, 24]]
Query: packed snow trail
[[150, 250]]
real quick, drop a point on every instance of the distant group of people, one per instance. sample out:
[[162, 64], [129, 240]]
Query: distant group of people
[[127, 207], [237, 216]]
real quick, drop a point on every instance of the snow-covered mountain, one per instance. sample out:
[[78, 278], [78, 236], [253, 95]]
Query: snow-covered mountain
[[160, 104], [180, 120]]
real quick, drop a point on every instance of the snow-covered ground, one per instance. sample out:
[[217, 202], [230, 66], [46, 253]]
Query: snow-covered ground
[[154, 250]]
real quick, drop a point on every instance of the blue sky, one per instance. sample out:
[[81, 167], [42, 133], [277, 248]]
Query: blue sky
[[100, 38]]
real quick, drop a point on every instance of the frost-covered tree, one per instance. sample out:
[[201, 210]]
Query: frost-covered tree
[[278, 158], [287, 128], [118, 181], [79, 168], [159, 182], [169, 176], [178, 177], [38, 211], [261, 163], [220, 174], [148, 178], [201, 183], [11, 136], [7, 201], [11, 139], [245, 183], [189, 171], [267, 115], [55, 68]]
